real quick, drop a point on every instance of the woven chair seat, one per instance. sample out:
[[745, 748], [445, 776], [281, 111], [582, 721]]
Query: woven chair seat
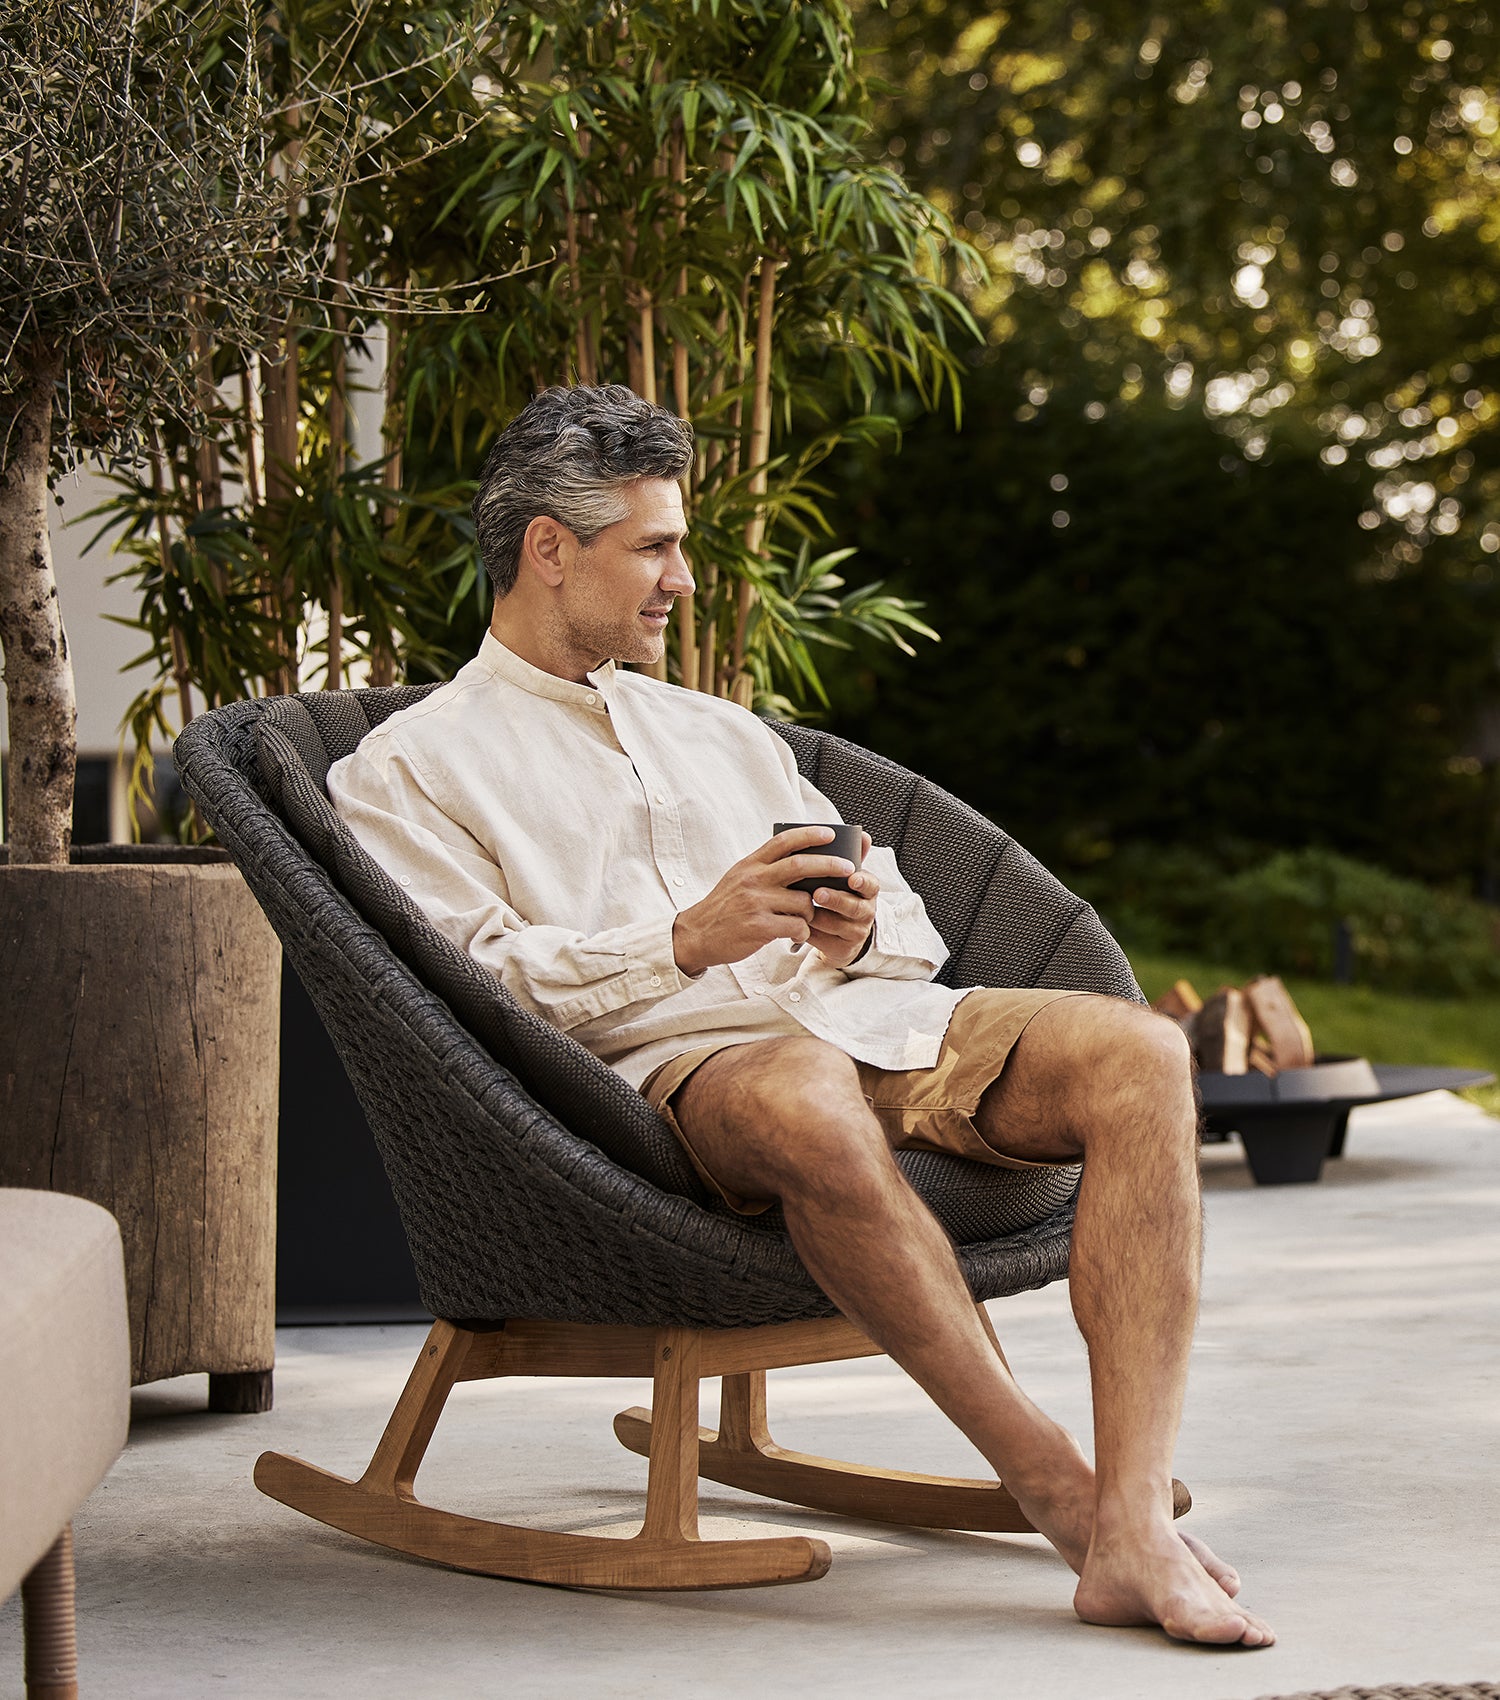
[[534, 1181]]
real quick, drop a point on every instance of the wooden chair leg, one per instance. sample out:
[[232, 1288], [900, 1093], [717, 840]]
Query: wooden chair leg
[[382, 1506], [742, 1454], [50, 1623]]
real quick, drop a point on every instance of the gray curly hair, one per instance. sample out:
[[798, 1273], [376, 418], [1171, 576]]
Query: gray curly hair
[[569, 454]]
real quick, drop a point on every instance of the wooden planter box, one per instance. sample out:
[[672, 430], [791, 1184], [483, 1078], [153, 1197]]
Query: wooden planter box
[[139, 1009]]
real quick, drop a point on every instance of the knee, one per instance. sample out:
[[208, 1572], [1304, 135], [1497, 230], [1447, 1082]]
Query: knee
[[1132, 1056], [812, 1123]]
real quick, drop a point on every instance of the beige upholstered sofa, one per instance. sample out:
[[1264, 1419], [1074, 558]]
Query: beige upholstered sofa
[[64, 1406]]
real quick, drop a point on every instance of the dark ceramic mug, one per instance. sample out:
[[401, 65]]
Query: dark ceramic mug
[[848, 842]]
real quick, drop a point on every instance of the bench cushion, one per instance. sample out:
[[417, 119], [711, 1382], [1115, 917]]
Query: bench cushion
[[64, 1366]]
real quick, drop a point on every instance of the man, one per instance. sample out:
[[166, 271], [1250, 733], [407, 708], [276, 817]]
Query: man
[[601, 842]]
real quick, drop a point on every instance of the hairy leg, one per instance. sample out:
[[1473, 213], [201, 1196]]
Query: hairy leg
[[1105, 1080], [785, 1118]]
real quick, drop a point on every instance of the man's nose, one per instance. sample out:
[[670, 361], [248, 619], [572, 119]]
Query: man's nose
[[678, 578]]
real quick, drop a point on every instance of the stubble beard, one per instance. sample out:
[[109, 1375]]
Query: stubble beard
[[618, 643]]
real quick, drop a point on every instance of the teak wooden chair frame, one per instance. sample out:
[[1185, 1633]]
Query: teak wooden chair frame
[[669, 1552]]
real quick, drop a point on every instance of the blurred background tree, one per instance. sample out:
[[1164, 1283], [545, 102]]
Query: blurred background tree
[[1215, 549]]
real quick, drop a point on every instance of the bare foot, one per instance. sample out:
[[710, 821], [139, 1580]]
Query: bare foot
[[1156, 1578], [1224, 1574], [1058, 1500]]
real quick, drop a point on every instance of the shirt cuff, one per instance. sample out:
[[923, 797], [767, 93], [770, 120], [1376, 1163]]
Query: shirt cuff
[[647, 972], [903, 943]]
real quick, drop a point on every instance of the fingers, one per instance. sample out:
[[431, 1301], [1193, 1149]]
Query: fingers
[[807, 867], [793, 839], [852, 904], [865, 884], [827, 925]]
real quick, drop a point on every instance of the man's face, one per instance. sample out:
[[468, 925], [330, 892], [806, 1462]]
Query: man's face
[[617, 600]]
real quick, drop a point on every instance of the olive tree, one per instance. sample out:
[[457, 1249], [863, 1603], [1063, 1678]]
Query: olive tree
[[137, 219]]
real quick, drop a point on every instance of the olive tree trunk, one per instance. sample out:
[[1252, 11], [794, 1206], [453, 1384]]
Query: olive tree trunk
[[38, 672]]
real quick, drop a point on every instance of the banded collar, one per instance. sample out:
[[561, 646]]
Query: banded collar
[[505, 664]]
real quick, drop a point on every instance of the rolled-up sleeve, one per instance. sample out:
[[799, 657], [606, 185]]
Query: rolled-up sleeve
[[566, 977]]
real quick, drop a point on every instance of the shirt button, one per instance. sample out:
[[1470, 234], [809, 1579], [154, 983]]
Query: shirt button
[[406, 879], [661, 796], [677, 879], [656, 979], [591, 699], [794, 997]]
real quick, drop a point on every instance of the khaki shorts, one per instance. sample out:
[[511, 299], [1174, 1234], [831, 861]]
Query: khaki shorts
[[921, 1109]]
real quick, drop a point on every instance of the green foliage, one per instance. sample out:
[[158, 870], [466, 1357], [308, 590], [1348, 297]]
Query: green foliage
[[644, 173], [586, 192], [1148, 638], [1284, 914], [1402, 935], [1281, 219], [1279, 212]]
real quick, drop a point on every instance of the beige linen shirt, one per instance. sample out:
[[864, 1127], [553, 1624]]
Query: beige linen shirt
[[554, 831]]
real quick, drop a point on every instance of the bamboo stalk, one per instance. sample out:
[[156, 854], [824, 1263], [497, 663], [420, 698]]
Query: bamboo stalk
[[255, 448], [180, 670], [759, 452], [648, 348], [679, 347], [338, 454], [281, 412], [687, 606], [392, 433], [206, 451], [737, 406], [687, 643], [588, 349], [713, 451], [393, 436], [707, 628]]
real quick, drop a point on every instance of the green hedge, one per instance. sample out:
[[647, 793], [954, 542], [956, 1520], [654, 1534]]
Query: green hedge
[[1283, 915]]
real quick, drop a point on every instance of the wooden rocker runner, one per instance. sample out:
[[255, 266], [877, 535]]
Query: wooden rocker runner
[[668, 1552]]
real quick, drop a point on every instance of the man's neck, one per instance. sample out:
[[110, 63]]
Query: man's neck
[[525, 640]]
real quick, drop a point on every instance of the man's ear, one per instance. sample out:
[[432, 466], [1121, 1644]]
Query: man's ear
[[547, 549]]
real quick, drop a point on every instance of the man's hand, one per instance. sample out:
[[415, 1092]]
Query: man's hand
[[753, 904], [842, 920]]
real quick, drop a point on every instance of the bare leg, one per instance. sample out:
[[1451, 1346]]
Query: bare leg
[[1108, 1081], [786, 1118]]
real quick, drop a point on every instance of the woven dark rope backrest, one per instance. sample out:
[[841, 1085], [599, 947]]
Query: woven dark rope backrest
[[532, 1181]]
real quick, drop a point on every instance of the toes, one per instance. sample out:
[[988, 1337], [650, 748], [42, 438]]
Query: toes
[[1191, 1618], [1224, 1574], [1258, 1633]]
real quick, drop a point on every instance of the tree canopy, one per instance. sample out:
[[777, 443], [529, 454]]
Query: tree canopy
[[1275, 212], [1283, 222]]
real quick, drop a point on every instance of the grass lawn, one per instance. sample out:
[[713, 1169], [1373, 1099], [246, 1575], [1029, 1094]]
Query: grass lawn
[[1389, 1027]]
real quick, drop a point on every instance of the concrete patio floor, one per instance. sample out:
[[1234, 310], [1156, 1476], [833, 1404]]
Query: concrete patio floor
[[1340, 1441]]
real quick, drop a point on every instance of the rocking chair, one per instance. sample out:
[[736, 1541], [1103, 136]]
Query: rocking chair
[[556, 1226]]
